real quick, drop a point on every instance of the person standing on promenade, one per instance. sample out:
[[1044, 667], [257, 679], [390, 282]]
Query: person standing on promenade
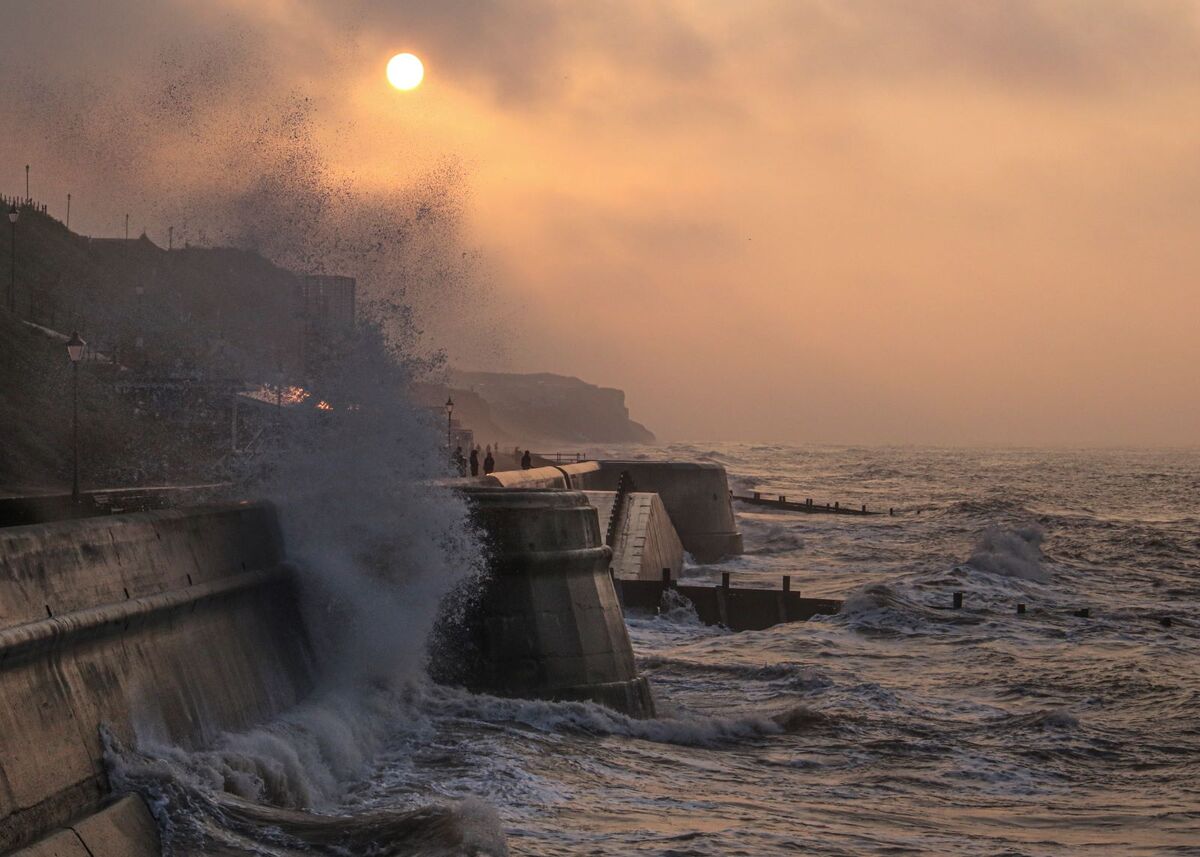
[[526, 461], [475, 461], [489, 463], [460, 463]]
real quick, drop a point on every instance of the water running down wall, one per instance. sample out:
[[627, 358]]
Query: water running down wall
[[165, 626]]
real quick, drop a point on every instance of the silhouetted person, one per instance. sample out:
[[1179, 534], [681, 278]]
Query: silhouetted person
[[489, 463], [526, 461], [460, 463], [474, 462]]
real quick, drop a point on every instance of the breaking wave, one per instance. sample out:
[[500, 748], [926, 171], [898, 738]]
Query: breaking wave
[[1010, 553], [593, 719], [774, 539], [270, 791]]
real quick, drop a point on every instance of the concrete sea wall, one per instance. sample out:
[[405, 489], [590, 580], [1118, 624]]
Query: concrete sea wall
[[645, 541], [176, 626], [173, 625], [549, 622], [696, 496]]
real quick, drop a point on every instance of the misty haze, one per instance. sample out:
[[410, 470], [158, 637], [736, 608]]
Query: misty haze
[[532, 427]]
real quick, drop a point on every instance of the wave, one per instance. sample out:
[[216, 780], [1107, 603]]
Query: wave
[[593, 719], [770, 538], [678, 609], [989, 507], [1010, 553], [796, 676], [879, 609], [198, 810], [1056, 719]]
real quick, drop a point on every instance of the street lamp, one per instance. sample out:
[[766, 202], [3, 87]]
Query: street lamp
[[75, 346], [13, 214], [449, 411]]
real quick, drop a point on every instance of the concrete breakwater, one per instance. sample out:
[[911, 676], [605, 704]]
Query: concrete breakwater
[[176, 626], [172, 625], [549, 624], [695, 495]]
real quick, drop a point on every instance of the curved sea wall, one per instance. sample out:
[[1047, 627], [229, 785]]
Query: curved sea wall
[[171, 626], [696, 496], [549, 622]]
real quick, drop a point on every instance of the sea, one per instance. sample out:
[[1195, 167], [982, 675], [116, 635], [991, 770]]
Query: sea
[[897, 726]]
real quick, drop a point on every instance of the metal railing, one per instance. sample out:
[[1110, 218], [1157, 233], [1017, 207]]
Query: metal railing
[[561, 457]]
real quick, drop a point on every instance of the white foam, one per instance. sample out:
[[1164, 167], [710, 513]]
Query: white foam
[[1010, 553]]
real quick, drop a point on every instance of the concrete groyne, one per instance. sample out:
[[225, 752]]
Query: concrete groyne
[[173, 625]]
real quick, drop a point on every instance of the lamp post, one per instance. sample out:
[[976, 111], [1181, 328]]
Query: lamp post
[[13, 214], [449, 411], [75, 346]]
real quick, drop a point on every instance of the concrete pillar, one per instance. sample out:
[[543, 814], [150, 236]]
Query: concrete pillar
[[549, 624]]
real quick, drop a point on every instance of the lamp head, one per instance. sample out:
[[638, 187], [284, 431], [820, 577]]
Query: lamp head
[[13, 214], [75, 346], [449, 405]]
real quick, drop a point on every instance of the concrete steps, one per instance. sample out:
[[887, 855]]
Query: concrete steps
[[645, 541]]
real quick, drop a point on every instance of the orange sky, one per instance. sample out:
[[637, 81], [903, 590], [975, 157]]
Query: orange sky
[[803, 220]]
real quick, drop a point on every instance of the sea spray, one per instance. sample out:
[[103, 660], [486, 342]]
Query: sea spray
[[1010, 553], [196, 815], [376, 541], [692, 730]]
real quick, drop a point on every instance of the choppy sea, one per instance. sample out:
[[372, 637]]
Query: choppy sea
[[894, 727]]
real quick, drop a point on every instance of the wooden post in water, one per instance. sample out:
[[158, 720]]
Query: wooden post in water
[[725, 580], [1020, 609], [787, 583], [958, 596], [782, 498]]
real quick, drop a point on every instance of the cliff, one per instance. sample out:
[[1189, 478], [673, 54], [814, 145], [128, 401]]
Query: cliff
[[546, 407]]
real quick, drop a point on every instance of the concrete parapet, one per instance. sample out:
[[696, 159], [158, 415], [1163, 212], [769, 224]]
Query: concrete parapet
[[177, 625], [535, 477], [549, 623], [696, 496]]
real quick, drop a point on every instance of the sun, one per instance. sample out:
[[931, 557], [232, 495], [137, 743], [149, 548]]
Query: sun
[[404, 71]]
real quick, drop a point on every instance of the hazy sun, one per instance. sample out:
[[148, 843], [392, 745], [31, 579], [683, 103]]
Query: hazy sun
[[404, 71]]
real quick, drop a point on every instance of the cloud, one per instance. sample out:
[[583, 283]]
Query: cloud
[[943, 198], [1031, 45]]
